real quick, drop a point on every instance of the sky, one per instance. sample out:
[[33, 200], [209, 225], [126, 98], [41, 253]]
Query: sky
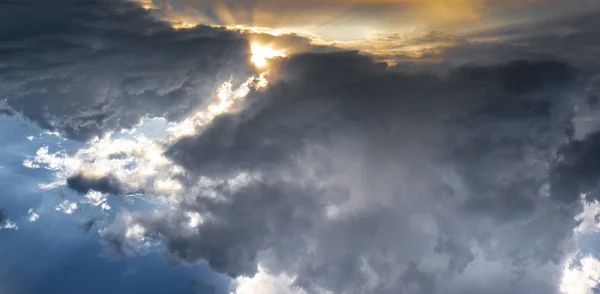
[[299, 147]]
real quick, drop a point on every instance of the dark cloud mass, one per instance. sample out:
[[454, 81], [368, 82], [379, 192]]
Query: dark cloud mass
[[434, 175], [577, 171], [87, 67], [344, 173], [106, 184]]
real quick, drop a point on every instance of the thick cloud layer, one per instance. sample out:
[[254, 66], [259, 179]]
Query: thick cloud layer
[[86, 67], [344, 174], [412, 183]]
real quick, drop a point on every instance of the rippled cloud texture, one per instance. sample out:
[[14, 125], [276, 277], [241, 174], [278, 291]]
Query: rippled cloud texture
[[344, 174]]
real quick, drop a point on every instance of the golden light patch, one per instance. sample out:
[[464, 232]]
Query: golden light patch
[[147, 4], [262, 53], [333, 20], [390, 29]]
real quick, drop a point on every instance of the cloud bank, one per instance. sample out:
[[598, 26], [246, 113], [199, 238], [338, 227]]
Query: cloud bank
[[344, 175], [84, 68]]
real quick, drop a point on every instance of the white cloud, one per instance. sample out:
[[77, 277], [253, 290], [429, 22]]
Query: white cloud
[[137, 162], [265, 283], [589, 223], [28, 163], [105, 206], [67, 207], [8, 225], [195, 219], [580, 276], [55, 134], [95, 198], [32, 215]]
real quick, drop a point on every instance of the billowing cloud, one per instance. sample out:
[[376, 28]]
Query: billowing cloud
[[83, 69], [345, 175], [370, 180]]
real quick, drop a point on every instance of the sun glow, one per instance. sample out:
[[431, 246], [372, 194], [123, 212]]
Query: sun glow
[[262, 53]]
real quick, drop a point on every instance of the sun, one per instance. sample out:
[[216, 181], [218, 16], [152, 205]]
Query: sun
[[262, 53]]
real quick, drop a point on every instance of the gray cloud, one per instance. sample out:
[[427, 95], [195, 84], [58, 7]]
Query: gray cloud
[[365, 179], [87, 67], [577, 173], [234, 231], [433, 183], [106, 184], [568, 36]]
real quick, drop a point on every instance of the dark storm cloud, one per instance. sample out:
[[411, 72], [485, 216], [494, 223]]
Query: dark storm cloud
[[313, 100], [363, 178], [87, 67], [577, 171], [431, 176], [106, 184], [267, 132]]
